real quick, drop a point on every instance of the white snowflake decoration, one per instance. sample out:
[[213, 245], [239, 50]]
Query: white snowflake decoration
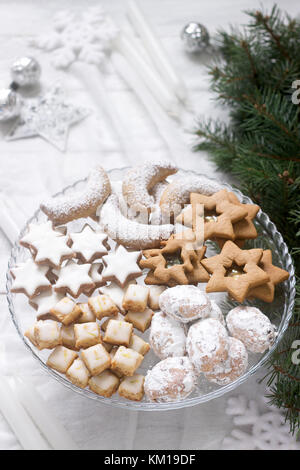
[[256, 431], [84, 36]]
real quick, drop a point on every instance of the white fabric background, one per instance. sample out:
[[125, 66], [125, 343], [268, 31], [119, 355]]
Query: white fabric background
[[31, 169]]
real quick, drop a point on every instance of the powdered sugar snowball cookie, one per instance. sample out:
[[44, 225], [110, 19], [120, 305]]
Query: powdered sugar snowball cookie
[[207, 344], [74, 279], [235, 365], [139, 180], [167, 336], [89, 244], [121, 266], [216, 312], [131, 233], [79, 204], [252, 327], [178, 192], [30, 278], [185, 303], [172, 379]]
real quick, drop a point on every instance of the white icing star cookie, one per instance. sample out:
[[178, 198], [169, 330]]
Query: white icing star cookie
[[89, 244], [30, 278], [45, 301], [121, 266], [52, 250], [74, 278], [38, 232]]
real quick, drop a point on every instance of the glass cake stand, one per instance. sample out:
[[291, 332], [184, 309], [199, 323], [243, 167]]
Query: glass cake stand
[[279, 311]]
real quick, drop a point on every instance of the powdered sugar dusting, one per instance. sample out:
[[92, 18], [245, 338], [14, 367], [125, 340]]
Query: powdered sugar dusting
[[185, 303], [167, 337]]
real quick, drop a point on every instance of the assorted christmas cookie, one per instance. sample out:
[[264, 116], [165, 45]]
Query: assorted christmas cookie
[[100, 340]]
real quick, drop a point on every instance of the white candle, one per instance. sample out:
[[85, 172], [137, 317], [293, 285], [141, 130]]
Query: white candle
[[24, 429], [152, 80], [7, 223], [44, 418], [155, 50]]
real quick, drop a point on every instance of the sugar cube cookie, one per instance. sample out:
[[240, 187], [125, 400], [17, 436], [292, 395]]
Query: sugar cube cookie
[[96, 358], [105, 384], [116, 293], [86, 314], [66, 311], [126, 361], [29, 333], [102, 306], [132, 388], [61, 359], [118, 317], [118, 332], [140, 320], [139, 345], [154, 294], [68, 337], [47, 334], [78, 373], [136, 298], [87, 334], [112, 355]]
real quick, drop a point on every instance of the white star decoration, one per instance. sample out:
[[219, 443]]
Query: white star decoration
[[49, 117], [121, 266], [30, 278], [88, 244], [73, 277]]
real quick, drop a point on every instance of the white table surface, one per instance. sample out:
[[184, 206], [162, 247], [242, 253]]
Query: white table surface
[[32, 169]]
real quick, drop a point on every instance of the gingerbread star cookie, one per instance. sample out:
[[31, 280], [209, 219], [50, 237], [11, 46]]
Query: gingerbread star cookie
[[219, 214], [266, 291], [89, 244], [121, 266], [174, 263], [235, 271]]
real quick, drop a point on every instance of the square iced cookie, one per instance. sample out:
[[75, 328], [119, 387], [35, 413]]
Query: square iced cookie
[[78, 373], [47, 334], [139, 345], [102, 306], [112, 355], [132, 388], [96, 358], [136, 298], [68, 336], [126, 361], [140, 320], [66, 311], [61, 359], [29, 333], [118, 317], [154, 294], [104, 384], [87, 334], [86, 314], [118, 332]]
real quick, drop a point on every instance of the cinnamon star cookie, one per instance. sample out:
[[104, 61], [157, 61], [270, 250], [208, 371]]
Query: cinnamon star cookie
[[235, 271]]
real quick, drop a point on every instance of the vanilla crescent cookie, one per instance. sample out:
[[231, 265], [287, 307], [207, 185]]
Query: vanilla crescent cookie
[[185, 303], [65, 208], [128, 232], [139, 180], [172, 379], [167, 336], [178, 192]]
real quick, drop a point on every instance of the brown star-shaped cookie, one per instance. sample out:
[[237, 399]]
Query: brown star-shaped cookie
[[175, 263], [245, 228], [276, 275], [235, 271], [219, 214]]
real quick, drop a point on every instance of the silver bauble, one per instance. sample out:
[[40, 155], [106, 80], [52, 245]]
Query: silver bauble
[[10, 104], [195, 37], [26, 71]]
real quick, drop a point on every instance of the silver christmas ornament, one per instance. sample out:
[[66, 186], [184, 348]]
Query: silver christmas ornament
[[49, 117], [195, 37], [26, 71], [10, 104]]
